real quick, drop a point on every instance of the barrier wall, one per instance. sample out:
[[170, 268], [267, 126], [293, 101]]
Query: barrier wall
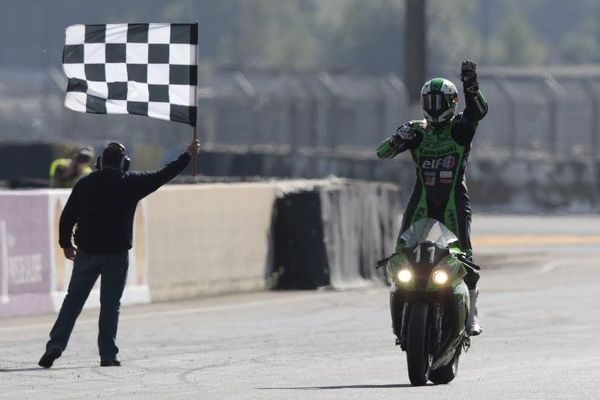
[[331, 233], [361, 221], [299, 245], [26, 256], [205, 239], [209, 239], [34, 273]]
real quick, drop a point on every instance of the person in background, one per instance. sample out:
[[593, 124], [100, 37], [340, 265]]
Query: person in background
[[64, 172], [102, 205]]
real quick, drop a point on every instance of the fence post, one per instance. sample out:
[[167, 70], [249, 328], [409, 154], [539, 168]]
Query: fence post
[[332, 114], [381, 111], [250, 101], [555, 91], [505, 87], [313, 114], [595, 123], [295, 126], [402, 93]]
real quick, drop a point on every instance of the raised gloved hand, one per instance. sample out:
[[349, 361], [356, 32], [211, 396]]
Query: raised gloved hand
[[468, 75], [403, 134]]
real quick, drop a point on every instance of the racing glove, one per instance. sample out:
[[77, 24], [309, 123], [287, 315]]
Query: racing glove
[[468, 76], [404, 133]]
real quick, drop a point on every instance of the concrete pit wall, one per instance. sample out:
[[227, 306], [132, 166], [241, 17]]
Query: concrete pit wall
[[331, 233], [208, 239], [198, 240]]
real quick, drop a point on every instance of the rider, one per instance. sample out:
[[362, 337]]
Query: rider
[[440, 145]]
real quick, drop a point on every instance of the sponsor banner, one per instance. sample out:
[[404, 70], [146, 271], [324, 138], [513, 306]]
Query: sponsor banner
[[446, 174], [25, 275], [34, 273], [136, 290]]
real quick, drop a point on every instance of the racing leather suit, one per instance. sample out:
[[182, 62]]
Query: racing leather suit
[[440, 154]]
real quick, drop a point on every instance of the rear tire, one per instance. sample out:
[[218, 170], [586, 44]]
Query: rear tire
[[446, 373], [418, 357]]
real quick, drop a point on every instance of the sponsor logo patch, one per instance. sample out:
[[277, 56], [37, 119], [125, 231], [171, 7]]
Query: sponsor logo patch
[[434, 164], [445, 174], [449, 162], [430, 180]]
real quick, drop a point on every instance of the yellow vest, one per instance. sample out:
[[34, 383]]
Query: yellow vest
[[58, 169]]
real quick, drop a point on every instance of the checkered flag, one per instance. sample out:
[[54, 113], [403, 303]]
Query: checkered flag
[[143, 69]]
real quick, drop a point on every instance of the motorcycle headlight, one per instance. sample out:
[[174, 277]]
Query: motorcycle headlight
[[404, 275], [440, 277]]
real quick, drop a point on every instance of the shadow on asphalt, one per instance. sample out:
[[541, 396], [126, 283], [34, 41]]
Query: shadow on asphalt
[[5, 370], [389, 386]]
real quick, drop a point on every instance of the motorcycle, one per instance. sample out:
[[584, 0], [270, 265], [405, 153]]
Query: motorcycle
[[429, 301]]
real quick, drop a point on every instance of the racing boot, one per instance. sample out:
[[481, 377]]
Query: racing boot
[[473, 327], [396, 308]]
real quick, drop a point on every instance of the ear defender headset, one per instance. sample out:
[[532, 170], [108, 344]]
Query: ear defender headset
[[125, 160]]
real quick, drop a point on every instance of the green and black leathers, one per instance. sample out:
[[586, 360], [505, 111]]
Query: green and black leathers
[[440, 154]]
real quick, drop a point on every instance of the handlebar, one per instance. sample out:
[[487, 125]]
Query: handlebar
[[384, 261], [462, 258]]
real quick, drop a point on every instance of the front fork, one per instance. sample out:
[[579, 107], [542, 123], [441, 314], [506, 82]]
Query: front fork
[[397, 311], [400, 311]]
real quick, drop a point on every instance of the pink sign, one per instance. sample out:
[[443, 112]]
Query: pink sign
[[25, 273]]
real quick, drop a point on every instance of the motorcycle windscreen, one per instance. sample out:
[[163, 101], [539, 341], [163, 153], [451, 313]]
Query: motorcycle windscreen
[[428, 230]]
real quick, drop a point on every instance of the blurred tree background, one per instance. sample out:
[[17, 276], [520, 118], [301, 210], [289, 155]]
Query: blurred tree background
[[366, 36]]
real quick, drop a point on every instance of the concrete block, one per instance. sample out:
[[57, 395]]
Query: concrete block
[[208, 239]]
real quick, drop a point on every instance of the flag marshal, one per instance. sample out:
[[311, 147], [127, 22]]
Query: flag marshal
[[143, 69]]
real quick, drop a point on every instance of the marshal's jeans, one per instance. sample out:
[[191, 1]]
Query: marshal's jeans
[[86, 270]]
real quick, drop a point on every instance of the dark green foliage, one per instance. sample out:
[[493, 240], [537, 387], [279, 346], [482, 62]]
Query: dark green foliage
[[364, 35]]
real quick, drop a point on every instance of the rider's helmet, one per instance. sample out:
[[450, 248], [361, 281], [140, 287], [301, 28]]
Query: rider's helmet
[[439, 99]]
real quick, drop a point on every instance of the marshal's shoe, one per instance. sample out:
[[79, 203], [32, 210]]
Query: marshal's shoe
[[110, 363], [49, 356]]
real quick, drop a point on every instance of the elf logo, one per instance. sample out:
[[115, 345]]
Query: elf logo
[[447, 162]]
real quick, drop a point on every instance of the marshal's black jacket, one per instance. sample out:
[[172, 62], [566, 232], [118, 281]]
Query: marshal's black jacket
[[103, 204]]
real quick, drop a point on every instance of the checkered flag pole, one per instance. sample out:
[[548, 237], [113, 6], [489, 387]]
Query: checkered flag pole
[[143, 69]]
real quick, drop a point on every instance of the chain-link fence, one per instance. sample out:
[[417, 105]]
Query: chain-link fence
[[548, 113], [539, 112], [302, 111]]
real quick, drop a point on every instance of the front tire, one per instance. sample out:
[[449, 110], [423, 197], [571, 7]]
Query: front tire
[[418, 357], [446, 373]]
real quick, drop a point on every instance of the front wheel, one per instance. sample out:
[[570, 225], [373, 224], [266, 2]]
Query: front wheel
[[418, 357], [446, 373]]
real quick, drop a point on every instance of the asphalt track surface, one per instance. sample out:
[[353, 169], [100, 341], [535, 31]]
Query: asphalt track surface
[[539, 308]]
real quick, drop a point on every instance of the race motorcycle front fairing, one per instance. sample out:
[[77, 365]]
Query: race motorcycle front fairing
[[429, 300]]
